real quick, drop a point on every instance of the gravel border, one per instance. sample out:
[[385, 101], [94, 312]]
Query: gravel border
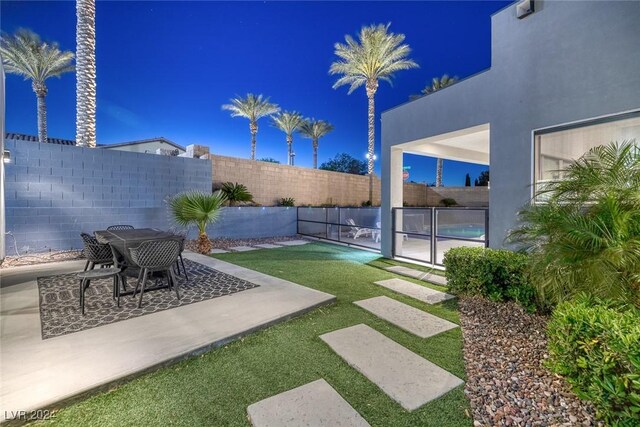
[[40, 258], [507, 385], [225, 244]]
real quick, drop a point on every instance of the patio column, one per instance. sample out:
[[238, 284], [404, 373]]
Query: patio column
[[392, 194]]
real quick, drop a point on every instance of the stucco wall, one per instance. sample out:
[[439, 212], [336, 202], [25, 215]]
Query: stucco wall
[[53, 192], [268, 182], [567, 62]]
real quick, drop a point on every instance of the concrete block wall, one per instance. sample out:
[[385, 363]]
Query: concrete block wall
[[269, 182], [53, 192], [252, 222]]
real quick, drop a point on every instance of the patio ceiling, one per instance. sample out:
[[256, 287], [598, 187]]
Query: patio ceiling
[[466, 145]]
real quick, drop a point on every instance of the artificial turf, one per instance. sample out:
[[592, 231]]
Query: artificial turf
[[215, 388]]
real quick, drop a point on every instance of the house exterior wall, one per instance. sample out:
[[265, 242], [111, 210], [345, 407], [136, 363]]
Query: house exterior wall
[[567, 62], [145, 147]]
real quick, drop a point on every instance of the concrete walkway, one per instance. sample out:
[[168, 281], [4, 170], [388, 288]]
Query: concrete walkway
[[315, 404], [413, 290], [404, 376], [406, 317], [417, 274], [40, 374]]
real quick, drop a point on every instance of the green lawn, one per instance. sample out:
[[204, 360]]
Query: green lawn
[[216, 388]]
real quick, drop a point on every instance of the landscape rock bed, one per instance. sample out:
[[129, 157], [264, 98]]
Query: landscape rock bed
[[40, 258], [507, 384], [225, 244]]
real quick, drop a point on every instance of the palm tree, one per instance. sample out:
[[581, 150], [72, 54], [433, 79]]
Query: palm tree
[[200, 209], [377, 55], [253, 108], [288, 122], [86, 73], [314, 130], [26, 55], [584, 234]]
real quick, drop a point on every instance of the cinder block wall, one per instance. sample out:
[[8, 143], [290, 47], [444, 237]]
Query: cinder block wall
[[53, 192], [268, 182]]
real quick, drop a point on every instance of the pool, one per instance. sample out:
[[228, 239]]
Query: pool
[[464, 231]]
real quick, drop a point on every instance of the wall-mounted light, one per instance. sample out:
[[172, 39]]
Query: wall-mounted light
[[6, 156], [525, 8]]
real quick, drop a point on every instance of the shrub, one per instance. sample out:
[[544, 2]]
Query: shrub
[[448, 202], [584, 234], [236, 193], [595, 344], [287, 201], [197, 208], [497, 274]]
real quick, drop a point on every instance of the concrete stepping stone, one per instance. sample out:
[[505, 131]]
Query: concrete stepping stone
[[315, 404], [293, 242], [242, 248], [267, 246], [413, 290], [218, 251], [404, 376], [406, 317], [417, 274]]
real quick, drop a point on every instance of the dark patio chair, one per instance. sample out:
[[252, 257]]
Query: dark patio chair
[[101, 273], [120, 227], [183, 234], [156, 256], [95, 252]]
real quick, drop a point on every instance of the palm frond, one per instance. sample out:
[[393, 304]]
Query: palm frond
[[288, 121], [196, 208], [315, 129], [252, 107]]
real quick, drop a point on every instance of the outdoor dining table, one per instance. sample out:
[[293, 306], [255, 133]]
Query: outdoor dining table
[[123, 240]]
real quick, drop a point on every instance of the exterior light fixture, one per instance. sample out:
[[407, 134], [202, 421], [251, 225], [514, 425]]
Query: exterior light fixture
[[525, 8], [374, 156], [6, 156]]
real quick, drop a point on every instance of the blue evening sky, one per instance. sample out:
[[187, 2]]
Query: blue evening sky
[[165, 68]]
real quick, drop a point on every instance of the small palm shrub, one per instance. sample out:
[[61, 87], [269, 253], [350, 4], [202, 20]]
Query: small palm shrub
[[236, 193], [595, 344], [500, 275], [448, 202], [287, 201], [585, 237], [200, 209]]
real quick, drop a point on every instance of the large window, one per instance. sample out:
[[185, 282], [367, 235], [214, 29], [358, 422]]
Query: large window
[[557, 148]]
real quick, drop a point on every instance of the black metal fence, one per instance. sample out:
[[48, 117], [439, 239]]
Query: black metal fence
[[419, 234], [425, 234], [353, 226]]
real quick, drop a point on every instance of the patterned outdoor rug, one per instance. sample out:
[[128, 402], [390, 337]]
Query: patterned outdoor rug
[[60, 298]]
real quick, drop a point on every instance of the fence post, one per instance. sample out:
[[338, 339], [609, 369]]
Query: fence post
[[432, 255]]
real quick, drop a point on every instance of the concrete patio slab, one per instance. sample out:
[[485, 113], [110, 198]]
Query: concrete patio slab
[[267, 246], [417, 274], [404, 376], [37, 374], [315, 404], [293, 242], [406, 317], [242, 248], [218, 251], [413, 290]]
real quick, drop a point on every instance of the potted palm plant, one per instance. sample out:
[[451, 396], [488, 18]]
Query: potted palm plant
[[200, 209]]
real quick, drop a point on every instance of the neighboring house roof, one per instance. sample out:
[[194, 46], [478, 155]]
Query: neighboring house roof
[[33, 138], [144, 141]]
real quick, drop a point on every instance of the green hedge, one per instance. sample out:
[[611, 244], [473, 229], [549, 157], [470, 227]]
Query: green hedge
[[497, 274], [595, 344]]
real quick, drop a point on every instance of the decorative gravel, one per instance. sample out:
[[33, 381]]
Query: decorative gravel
[[225, 244], [507, 385], [40, 258]]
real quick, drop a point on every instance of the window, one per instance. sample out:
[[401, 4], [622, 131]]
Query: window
[[555, 149]]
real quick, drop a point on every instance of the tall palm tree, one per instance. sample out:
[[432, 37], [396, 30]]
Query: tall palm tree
[[253, 108], [314, 130], [437, 83], [288, 122], [377, 55], [26, 55], [86, 73]]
